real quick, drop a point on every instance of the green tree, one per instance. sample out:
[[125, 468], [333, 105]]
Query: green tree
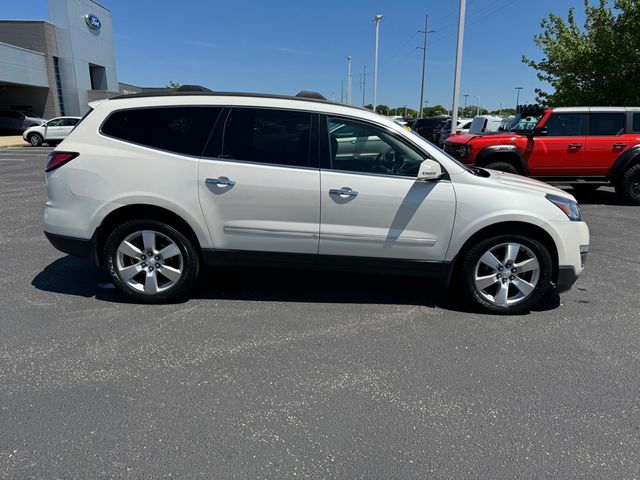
[[433, 111], [173, 86], [597, 64]]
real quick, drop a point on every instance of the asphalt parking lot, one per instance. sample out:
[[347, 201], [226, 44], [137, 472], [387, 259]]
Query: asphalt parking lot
[[278, 374]]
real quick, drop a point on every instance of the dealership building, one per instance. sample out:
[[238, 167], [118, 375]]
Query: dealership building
[[56, 67]]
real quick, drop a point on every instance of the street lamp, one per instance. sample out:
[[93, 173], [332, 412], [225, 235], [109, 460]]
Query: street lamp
[[518, 97], [349, 80], [376, 19], [478, 106], [458, 70], [465, 101]]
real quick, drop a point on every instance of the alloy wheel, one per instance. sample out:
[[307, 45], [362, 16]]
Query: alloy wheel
[[149, 261], [507, 274]]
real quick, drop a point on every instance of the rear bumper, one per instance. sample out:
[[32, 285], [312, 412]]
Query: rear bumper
[[78, 247]]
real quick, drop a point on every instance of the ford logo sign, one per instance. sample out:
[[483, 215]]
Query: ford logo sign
[[93, 22]]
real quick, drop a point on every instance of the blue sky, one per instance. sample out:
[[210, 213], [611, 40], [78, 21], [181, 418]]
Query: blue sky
[[284, 46]]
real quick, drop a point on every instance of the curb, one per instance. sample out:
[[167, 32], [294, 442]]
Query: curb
[[14, 145]]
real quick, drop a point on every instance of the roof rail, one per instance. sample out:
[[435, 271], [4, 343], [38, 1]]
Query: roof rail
[[310, 94], [193, 88]]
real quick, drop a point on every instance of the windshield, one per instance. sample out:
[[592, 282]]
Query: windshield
[[521, 123]]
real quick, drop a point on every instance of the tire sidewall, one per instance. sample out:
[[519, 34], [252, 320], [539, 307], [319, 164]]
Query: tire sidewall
[[190, 261], [502, 167], [38, 140], [472, 257], [632, 175]]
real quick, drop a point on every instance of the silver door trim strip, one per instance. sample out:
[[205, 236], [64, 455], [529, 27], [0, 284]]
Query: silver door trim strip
[[354, 237], [268, 231]]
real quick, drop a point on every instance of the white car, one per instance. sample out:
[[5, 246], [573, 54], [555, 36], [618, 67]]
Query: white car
[[156, 187], [52, 131]]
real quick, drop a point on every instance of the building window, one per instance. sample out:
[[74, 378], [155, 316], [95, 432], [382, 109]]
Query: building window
[[56, 68]]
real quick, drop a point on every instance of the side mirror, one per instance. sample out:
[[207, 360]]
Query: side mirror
[[539, 131], [429, 171]]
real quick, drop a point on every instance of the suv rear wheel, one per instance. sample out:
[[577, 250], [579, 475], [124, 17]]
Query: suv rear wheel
[[151, 262], [629, 185], [506, 273]]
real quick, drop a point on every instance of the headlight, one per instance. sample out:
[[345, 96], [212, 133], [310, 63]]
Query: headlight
[[570, 208]]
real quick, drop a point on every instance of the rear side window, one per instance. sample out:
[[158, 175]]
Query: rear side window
[[182, 130], [636, 122], [566, 124], [278, 137], [606, 123], [70, 122]]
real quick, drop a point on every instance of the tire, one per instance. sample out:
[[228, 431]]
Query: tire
[[489, 288], [171, 275], [503, 167], [629, 186], [36, 140]]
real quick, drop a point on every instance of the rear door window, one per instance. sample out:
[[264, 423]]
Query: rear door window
[[566, 125], [182, 130], [278, 137], [606, 123]]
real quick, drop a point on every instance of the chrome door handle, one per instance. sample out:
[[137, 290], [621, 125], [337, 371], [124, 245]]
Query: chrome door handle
[[347, 192], [220, 181], [575, 146]]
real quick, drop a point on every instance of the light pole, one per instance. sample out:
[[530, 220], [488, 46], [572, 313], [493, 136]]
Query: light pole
[[518, 97], [458, 70], [478, 106], [376, 19], [349, 80], [426, 32], [465, 101]]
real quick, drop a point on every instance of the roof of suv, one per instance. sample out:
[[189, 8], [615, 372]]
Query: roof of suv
[[302, 96]]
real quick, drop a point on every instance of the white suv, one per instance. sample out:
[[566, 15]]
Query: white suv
[[51, 132], [155, 187]]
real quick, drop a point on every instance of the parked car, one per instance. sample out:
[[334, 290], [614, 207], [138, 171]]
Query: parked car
[[51, 132], [438, 128], [486, 124], [154, 188], [17, 122], [425, 126], [585, 147], [463, 125]]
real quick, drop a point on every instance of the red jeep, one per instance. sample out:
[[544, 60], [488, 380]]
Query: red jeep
[[585, 147]]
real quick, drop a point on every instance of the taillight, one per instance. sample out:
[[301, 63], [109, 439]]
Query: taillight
[[57, 159]]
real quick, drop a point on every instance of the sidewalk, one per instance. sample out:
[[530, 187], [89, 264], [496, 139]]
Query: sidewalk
[[12, 141]]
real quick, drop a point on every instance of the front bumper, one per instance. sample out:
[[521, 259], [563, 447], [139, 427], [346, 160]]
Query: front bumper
[[566, 278]]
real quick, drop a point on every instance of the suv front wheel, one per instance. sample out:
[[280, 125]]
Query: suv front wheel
[[506, 273], [151, 262]]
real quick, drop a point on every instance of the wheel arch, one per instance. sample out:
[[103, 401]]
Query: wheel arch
[[512, 227], [140, 212], [505, 153], [626, 159]]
